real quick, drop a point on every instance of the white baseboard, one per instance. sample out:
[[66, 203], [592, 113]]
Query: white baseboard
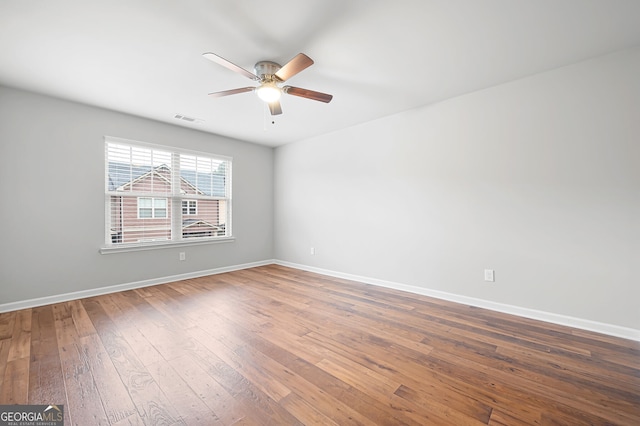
[[583, 324], [47, 300]]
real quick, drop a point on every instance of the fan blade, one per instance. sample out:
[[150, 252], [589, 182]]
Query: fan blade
[[306, 93], [231, 92], [230, 65], [275, 108], [294, 66]]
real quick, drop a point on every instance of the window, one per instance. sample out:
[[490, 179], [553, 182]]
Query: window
[[159, 194], [189, 207]]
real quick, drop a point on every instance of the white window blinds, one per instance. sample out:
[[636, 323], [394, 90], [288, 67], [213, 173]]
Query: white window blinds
[[159, 194]]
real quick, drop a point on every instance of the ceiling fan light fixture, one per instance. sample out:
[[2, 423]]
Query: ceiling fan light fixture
[[269, 92]]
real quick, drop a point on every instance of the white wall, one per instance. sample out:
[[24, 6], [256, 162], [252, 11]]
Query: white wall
[[538, 179], [52, 192]]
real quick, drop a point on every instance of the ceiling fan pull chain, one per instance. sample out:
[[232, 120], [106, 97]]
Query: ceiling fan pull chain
[[264, 117]]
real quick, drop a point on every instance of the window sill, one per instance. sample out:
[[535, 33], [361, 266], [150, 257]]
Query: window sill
[[161, 245]]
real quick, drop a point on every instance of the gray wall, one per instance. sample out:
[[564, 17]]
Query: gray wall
[[538, 179], [52, 190]]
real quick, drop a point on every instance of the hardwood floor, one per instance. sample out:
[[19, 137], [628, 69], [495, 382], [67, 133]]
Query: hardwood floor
[[278, 346]]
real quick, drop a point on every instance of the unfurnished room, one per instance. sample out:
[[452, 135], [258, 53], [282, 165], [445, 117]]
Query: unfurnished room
[[320, 212]]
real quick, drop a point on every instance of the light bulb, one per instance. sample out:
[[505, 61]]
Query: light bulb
[[269, 92]]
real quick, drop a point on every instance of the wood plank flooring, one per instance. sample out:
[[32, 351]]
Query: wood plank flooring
[[279, 346]]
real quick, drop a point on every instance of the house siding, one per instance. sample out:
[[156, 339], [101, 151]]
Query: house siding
[[128, 227]]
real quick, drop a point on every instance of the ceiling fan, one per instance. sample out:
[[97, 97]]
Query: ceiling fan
[[270, 74]]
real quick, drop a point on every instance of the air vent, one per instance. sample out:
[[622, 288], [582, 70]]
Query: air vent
[[188, 119]]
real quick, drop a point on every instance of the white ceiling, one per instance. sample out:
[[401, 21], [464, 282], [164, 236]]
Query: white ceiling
[[376, 57]]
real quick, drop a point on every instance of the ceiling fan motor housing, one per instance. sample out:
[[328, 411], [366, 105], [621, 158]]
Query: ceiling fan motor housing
[[266, 68]]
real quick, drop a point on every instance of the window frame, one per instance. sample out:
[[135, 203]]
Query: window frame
[[173, 201]]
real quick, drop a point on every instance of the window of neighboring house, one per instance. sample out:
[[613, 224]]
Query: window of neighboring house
[[161, 195], [152, 208], [189, 207]]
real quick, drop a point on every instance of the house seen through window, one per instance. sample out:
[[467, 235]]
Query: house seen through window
[[155, 194]]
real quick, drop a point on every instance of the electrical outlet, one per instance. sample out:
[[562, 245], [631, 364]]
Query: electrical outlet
[[183, 256], [313, 250], [489, 275]]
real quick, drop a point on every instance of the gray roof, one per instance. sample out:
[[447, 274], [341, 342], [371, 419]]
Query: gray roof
[[211, 184], [207, 183]]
